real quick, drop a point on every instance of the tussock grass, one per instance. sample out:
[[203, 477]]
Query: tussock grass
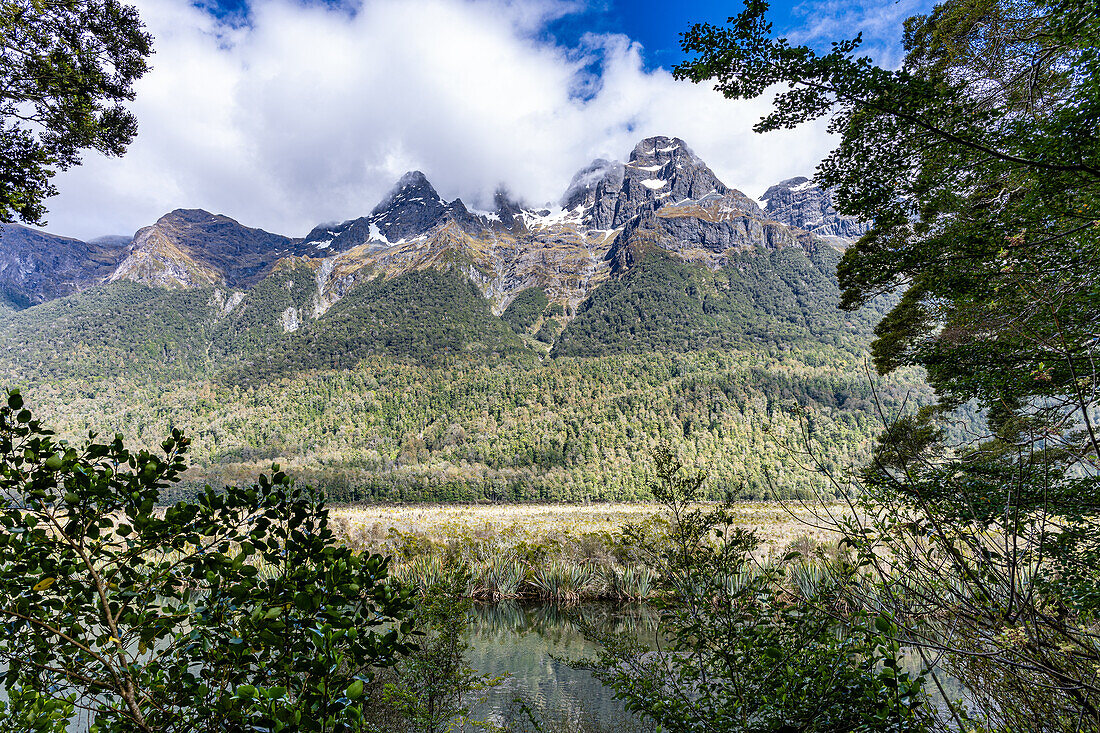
[[564, 553], [386, 527]]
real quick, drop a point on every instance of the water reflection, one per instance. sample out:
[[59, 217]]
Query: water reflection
[[530, 642], [527, 644]]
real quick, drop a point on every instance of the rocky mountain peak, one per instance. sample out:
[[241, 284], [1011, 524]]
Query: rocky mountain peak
[[662, 214], [189, 217], [660, 170], [799, 202], [508, 209], [410, 208], [593, 183], [194, 248], [412, 186], [798, 182], [660, 149]]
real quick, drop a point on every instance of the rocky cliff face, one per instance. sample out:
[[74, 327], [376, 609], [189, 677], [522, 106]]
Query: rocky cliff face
[[194, 248], [660, 170], [663, 196], [799, 202], [409, 210], [706, 231], [36, 266]]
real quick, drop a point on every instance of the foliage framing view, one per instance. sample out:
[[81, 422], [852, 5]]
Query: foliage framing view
[[237, 610], [742, 654], [67, 66], [978, 166]]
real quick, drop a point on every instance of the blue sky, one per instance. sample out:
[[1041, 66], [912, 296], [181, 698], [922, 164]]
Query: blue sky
[[288, 113], [655, 24]]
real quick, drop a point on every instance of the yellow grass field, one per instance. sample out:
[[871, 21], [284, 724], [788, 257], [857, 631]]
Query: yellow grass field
[[777, 524]]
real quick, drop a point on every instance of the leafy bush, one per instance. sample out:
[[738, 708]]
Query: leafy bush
[[740, 654], [236, 611], [432, 689]]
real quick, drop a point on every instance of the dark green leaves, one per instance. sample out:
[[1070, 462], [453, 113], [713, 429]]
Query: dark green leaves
[[236, 610], [978, 164], [67, 68], [739, 651]]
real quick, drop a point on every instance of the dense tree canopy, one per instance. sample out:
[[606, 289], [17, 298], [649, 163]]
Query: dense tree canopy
[[66, 66], [978, 164]]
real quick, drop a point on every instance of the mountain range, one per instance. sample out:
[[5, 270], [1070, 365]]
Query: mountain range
[[737, 268], [427, 350]]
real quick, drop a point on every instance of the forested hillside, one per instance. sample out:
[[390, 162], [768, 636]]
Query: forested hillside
[[409, 388], [426, 317], [427, 352], [567, 429], [781, 297]]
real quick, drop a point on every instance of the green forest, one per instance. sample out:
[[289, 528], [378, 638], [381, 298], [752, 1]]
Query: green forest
[[410, 389], [569, 429]]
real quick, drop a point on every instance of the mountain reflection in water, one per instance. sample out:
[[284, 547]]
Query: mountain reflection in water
[[528, 643]]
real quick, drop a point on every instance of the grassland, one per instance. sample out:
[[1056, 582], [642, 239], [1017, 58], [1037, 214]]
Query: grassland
[[778, 524]]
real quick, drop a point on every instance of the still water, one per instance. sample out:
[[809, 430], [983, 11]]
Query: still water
[[531, 645], [527, 646]]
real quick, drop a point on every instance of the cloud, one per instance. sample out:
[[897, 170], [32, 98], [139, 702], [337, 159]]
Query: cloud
[[300, 114]]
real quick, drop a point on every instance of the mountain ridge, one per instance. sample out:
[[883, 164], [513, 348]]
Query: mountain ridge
[[260, 289], [430, 351], [192, 247], [36, 267], [700, 214], [802, 203]]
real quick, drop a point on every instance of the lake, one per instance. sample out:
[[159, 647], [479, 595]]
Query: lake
[[525, 644], [528, 645], [530, 642]]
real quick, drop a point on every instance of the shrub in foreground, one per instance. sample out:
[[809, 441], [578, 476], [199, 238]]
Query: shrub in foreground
[[237, 611]]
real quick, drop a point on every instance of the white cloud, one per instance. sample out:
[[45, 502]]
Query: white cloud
[[309, 113]]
